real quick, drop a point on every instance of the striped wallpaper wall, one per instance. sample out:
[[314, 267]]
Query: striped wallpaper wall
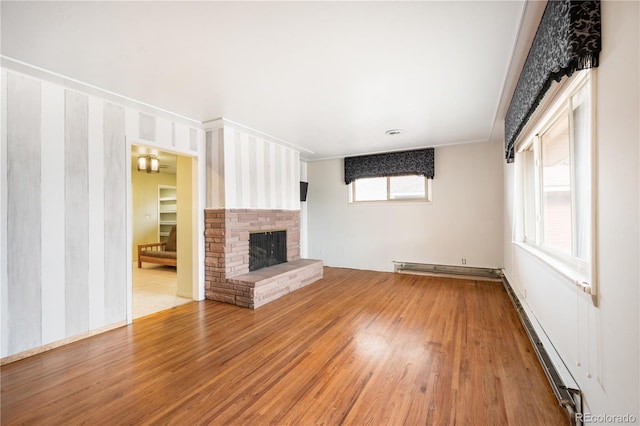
[[65, 254], [257, 173], [215, 168]]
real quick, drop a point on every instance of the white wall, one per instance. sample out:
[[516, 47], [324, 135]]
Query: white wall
[[599, 345], [65, 175], [464, 219]]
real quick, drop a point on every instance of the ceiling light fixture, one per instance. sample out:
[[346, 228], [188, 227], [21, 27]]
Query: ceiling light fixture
[[148, 163], [394, 132]]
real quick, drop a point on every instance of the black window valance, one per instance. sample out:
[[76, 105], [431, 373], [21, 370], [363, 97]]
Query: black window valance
[[567, 40], [416, 162]]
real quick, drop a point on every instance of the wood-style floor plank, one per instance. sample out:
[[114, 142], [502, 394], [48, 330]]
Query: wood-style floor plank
[[357, 347]]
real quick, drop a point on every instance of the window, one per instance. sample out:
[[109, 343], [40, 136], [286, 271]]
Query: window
[[391, 188], [556, 163], [556, 185]]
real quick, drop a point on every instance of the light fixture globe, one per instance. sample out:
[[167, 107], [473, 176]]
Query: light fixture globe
[[142, 163], [154, 165], [148, 163]]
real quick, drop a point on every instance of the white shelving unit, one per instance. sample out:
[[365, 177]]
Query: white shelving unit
[[167, 210]]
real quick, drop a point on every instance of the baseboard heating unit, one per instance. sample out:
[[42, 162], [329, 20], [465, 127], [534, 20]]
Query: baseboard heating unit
[[447, 270], [568, 395]]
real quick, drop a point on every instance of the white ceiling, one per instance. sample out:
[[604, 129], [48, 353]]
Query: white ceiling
[[330, 77]]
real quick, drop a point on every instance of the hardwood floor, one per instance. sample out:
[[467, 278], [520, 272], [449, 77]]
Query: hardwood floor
[[357, 347]]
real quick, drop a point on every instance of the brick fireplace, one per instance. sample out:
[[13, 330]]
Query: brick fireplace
[[227, 277]]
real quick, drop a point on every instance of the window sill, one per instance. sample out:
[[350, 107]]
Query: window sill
[[388, 202], [571, 273]]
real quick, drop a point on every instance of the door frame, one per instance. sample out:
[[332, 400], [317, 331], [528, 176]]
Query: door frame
[[197, 233]]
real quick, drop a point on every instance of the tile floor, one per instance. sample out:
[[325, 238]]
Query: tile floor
[[154, 289]]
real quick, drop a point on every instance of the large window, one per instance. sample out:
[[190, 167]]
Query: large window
[[556, 181], [391, 188]]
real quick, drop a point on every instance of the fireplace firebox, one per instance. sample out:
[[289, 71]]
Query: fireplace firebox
[[267, 249]]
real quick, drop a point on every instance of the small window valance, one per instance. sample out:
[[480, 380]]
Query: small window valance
[[567, 40], [416, 162]]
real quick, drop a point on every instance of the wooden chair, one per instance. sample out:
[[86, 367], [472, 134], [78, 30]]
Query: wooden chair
[[164, 253]]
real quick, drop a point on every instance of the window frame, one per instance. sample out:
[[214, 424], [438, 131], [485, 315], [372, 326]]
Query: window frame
[[582, 272], [426, 199]]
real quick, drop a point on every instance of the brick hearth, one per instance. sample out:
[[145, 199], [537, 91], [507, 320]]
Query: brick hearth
[[227, 254]]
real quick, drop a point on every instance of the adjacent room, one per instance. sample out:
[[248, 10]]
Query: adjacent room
[[350, 212], [155, 223]]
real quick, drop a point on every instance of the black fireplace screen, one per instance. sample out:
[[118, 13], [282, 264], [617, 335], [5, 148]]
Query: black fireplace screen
[[267, 249]]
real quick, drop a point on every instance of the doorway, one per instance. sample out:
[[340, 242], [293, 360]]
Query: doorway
[[162, 202]]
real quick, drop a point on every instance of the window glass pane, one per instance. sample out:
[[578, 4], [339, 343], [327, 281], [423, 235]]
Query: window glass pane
[[406, 187], [582, 173], [529, 195], [370, 189], [556, 185]]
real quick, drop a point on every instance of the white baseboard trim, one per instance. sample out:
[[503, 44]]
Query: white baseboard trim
[[49, 346]]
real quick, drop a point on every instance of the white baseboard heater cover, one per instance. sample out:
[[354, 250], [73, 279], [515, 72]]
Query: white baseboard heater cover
[[468, 271]]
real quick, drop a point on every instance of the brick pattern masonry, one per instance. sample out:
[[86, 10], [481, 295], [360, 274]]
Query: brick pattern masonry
[[227, 277]]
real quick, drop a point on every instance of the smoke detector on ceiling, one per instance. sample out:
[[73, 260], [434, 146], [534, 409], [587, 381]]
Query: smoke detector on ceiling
[[394, 132]]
